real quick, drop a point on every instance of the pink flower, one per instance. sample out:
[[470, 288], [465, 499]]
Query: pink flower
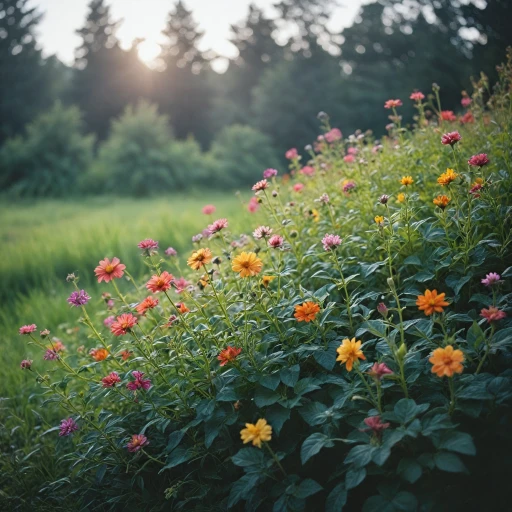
[[217, 226], [276, 241], [450, 138], [44, 333], [324, 198], [491, 279], [253, 205], [478, 160], [208, 209], [467, 118], [269, 173], [417, 96], [262, 232], [382, 309], [447, 115], [330, 242], [160, 283], [260, 185], [291, 154], [137, 442], [352, 151], [333, 135], [349, 159], [27, 329], [465, 102], [148, 246], [170, 251], [378, 371], [393, 104], [123, 324], [50, 355], [375, 425], [492, 314], [298, 187], [110, 380], [108, 270], [475, 188], [181, 284], [110, 304], [26, 364], [139, 382], [348, 186], [377, 148], [307, 170], [67, 427], [79, 298]]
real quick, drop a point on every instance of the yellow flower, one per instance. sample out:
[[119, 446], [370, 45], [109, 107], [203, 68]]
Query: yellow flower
[[441, 201], [379, 219], [447, 177], [266, 280], [446, 361], [315, 215], [400, 197], [349, 351], [478, 181], [247, 264], [199, 258], [407, 180], [258, 433]]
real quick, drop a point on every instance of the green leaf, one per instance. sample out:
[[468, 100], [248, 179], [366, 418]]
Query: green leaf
[[241, 488], [175, 439], [401, 502], [313, 444], [307, 487], [276, 415], [409, 470], [449, 462], [434, 421], [290, 376], [456, 282], [304, 386], [475, 336], [360, 456], [264, 396], [459, 442], [327, 358], [313, 413], [178, 456], [270, 381], [354, 477], [337, 499], [405, 410], [247, 457], [381, 455], [227, 394]]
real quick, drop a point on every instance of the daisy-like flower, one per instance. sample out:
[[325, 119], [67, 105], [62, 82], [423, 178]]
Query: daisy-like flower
[[306, 312], [379, 370], [441, 201], [450, 138], [276, 241], [217, 226], [400, 197], [349, 352], [123, 324], [262, 232], [479, 160], [26, 364], [291, 154], [448, 115], [333, 135], [110, 380], [247, 264], [331, 242], [208, 209], [266, 280], [67, 427], [137, 442], [182, 308], [431, 302], [269, 173], [228, 354], [27, 329], [181, 284], [407, 180], [44, 333], [256, 433], [417, 96], [491, 279], [79, 298], [170, 251], [447, 177], [99, 354], [260, 185], [160, 283], [148, 246], [200, 258], [109, 321], [298, 187], [379, 220], [108, 270], [375, 425], [447, 361], [139, 382], [492, 314], [147, 303], [392, 104]]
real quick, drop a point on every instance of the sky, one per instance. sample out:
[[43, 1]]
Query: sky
[[146, 19]]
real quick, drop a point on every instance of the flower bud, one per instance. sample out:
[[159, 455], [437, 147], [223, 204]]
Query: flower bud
[[391, 284], [44, 333], [382, 309], [294, 233], [383, 199], [274, 193], [401, 352]]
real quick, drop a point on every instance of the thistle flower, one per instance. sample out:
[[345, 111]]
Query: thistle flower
[[137, 442], [67, 427], [383, 199], [108, 270], [79, 298], [491, 279], [331, 242], [256, 433]]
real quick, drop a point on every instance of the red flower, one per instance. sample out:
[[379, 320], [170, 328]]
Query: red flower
[[378, 371], [492, 314], [147, 303], [228, 354], [291, 154], [123, 324], [478, 160], [375, 425], [467, 118], [180, 306], [110, 380], [139, 382], [450, 138], [447, 115], [160, 283]]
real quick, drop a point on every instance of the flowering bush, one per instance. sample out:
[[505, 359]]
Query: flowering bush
[[355, 353]]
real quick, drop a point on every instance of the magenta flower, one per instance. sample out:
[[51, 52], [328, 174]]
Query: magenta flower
[[262, 232], [149, 245], [276, 241], [110, 304], [217, 226], [492, 314], [67, 427], [269, 173], [27, 329], [260, 185], [208, 209], [79, 298], [333, 135], [206, 232], [291, 154], [378, 371], [50, 355], [450, 138], [491, 279], [170, 251], [392, 104], [139, 382], [26, 364], [375, 425], [478, 160], [417, 96], [382, 309], [348, 186], [110, 380], [137, 442], [330, 242]]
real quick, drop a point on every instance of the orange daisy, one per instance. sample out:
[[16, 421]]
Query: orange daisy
[[99, 354], [407, 180], [200, 258], [147, 303], [441, 202], [447, 361], [160, 283], [228, 354], [447, 177], [306, 312], [431, 302], [349, 352], [247, 264]]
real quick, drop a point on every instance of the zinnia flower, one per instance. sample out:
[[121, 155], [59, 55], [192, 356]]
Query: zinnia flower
[[431, 302], [200, 258], [108, 270], [208, 209], [262, 232], [407, 180], [417, 96], [330, 242], [228, 354], [441, 202], [26, 364], [147, 303], [160, 283], [447, 115], [253, 205], [375, 424], [126, 354], [492, 314], [182, 308], [79, 298], [139, 382], [256, 433], [269, 173], [99, 354], [67, 427], [478, 160], [467, 118], [27, 329], [170, 251], [276, 241], [260, 185], [148, 246], [50, 355], [447, 361], [123, 324], [333, 135], [349, 352], [392, 104], [450, 138], [110, 380], [181, 284], [307, 170], [44, 333], [298, 187], [306, 312], [447, 177], [247, 264], [266, 280], [291, 154], [491, 279], [137, 442], [378, 370], [217, 226]]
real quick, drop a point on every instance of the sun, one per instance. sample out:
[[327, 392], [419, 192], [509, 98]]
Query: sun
[[148, 51]]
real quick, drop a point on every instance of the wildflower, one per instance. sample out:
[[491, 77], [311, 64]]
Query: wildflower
[[182, 308], [330, 242], [266, 280], [26, 364], [147, 303], [269, 173], [377, 148], [441, 202], [171, 320], [492, 314], [383, 199], [447, 177], [306, 312], [352, 151], [447, 361], [291, 154], [478, 160], [67, 427], [181, 284], [392, 104], [110, 380], [276, 241], [99, 354], [109, 321], [465, 101], [217, 226], [108, 270], [379, 370], [137, 442], [70, 277], [200, 258], [148, 246], [50, 355], [44, 333], [450, 138], [447, 115], [228, 354], [476, 186], [139, 382], [247, 264], [467, 118], [160, 283], [262, 232], [382, 309], [324, 198], [307, 170], [27, 329], [253, 205], [123, 324], [208, 209], [333, 135], [298, 187], [256, 433], [348, 185], [197, 238], [110, 304], [349, 159], [126, 354], [417, 96], [400, 197], [407, 180], [379, 220], [491, 279], [431, 302], [260, 185], [349, 352], [79, 298], [170, 251]]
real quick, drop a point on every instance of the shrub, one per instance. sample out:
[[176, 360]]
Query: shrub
[[50, 157], [356, 354]]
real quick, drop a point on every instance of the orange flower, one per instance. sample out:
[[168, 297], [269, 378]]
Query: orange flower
[[256, 433], [200, 258], [447, 361], [228, 354], [266, 280], [349, 352], [247, 264], [407, 180], [447, 177], [180, 306], [126, 354], [441, 201], [99, 354], [147, 303], [306, 312], [431, 302], [160, 283]]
